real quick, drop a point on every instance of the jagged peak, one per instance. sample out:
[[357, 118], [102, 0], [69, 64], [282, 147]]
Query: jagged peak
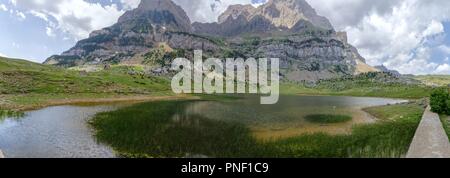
[[282, 13], [156, 4], [165, 8], [237, 10]]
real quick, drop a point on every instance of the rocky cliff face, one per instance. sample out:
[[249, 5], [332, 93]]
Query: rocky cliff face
[[152, 24], [274, 17], [307, 45]]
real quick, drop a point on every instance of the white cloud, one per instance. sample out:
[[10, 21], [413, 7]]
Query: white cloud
[[443, 69], [21, 15], [433, 29], [396, 33], [2, 55], [130, 4], [445, 49], [207, 10], [3, 7], [49, 32], [75, 17]]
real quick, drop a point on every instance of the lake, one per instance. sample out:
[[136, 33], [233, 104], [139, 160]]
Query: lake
[[63, 131]]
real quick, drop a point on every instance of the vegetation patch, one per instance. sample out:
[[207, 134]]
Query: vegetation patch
[[10, 114], [440, 101], [155, 130], [328, 118], [366, 85], [152, 130], [434, 80], [446, 123]]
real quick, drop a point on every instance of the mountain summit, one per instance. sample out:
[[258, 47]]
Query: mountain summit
[[159, 30], [162, 12], [281, 13], [273, 17]]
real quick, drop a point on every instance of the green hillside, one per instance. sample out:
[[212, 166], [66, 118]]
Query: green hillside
[[24, 82], [434, 80]]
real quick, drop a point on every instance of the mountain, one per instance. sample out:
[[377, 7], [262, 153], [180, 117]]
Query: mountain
[[274, 17], [159, 30], [162, 12], [383, 68]]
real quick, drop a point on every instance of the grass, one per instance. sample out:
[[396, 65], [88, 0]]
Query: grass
[[446, 123], [156, 130], [150, 130], [27, 83], [364, 85], [328, 118], [373, 90], [388, 138], [436, 80], [10, 114]]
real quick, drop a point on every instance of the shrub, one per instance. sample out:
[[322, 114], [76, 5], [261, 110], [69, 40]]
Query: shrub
[[439, 101], [448, 106]]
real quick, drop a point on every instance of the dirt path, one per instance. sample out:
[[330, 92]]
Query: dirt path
[[430, 140]]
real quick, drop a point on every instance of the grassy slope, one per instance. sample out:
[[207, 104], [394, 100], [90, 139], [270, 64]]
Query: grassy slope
[[24, 82], [156, 134], [360, 86], [439, 80], [446, 123]]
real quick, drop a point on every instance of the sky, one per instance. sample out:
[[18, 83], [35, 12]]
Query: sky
[[411, 36]]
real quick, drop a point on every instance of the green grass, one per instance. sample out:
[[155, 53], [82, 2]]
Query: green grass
[[327, 118], [446, 123], [359, 87], [25, 82], [152, 130], [10, 114], [388, 138], [437, 80], [23, 77]]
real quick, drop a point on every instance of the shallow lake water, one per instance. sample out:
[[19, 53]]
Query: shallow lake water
[[63, 131], [286, 118], [53, 132]]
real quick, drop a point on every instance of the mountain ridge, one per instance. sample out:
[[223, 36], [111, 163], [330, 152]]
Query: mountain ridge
[[308, 52]]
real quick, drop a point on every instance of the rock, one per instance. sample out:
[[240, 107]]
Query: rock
[[107, 67], [308, 47], [385, 69], [273, 17], [83, 73]]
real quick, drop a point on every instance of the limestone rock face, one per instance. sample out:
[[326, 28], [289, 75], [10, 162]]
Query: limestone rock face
[[274, 17], [162, 12], [308, 47]]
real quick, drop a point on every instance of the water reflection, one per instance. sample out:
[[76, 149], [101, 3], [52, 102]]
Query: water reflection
[[286, 118], [4, 114], [53, 132], [63, 131]]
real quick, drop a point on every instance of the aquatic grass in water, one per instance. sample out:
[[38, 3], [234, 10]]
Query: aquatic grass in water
[[328, 118], [157, 129], [10, 114]]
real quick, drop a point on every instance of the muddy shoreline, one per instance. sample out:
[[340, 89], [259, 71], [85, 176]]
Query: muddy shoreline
[[93, 101]]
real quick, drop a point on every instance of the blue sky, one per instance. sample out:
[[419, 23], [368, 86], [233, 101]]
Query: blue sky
[[412, 36]]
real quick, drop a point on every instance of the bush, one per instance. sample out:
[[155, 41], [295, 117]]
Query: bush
[[440, 101], [448, 106]]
